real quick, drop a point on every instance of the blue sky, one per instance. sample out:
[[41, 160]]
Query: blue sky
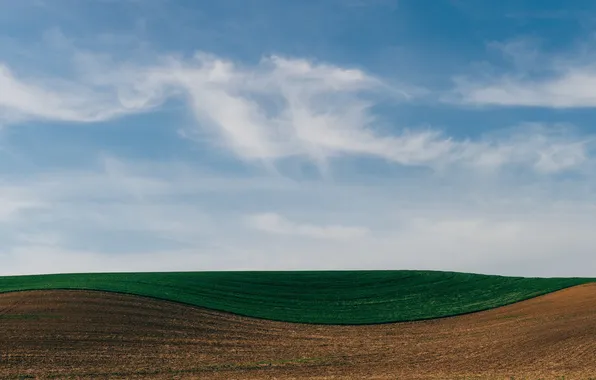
[[163, 135]]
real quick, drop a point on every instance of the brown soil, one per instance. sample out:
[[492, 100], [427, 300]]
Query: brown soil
[[80, 334]]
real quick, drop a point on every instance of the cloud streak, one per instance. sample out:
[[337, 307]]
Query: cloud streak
[[276, 224], [573, 88], [278, 109], [536, 80], [56, 100]]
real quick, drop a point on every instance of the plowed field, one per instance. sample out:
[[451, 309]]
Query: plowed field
[[88, 334]]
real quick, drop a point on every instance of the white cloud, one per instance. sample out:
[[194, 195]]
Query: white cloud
[[566, 80], [546, 149], [573, 88], [278, 109], [55, 100], [276, 224]]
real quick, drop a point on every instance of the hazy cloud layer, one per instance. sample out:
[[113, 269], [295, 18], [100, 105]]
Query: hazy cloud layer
[[276, 224], [175, 218]]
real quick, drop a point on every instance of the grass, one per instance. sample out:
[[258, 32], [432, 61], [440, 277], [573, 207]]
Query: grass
[[326, 297]]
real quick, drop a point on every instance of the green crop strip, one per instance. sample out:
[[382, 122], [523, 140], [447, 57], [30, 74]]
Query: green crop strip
[[325, 297]]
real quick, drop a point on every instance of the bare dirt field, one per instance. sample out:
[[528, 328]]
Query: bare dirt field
[[81, 334]]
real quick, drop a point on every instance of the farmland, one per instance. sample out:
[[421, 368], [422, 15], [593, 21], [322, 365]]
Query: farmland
[[89, 334], [331, 297]]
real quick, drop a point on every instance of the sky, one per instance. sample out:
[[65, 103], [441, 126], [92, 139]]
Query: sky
[[192, 135]]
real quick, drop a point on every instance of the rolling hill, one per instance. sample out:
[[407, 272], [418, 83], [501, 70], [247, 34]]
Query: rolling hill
[[318, 297]]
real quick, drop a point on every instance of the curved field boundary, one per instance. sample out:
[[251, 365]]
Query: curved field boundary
[[321, 297]]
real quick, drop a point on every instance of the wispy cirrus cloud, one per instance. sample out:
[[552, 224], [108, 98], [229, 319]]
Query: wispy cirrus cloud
[[572, 88], [536, 79], [280, 108], [59, 100]]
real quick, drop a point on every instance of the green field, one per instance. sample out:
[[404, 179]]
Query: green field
[[327, 297]]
